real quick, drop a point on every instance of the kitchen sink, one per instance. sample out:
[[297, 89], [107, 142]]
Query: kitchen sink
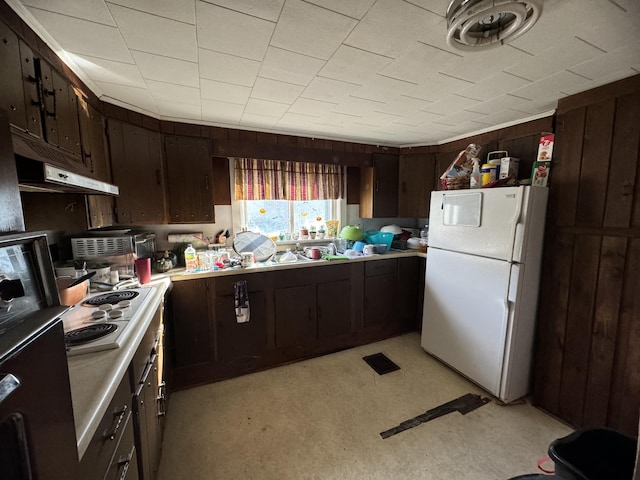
[[299, 258]]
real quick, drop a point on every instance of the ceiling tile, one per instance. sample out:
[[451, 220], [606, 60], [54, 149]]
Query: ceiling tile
[[618, 61], [102, 70], [377, 119], [224, 30], [498, 103], [353, 65], [266, 89], [420, 62], [352, 8], [559, 57], [180, 10], [127, 94], [459, 117], [255, 120], [357, 106], [477, 66], [403, 105], [493, 86], [338, 119], [169, 92], [309, 107], [152, 34], [389, 27], [224, 92], [180, 110], [296, 119], [328, 90], [549, 86], [227, 68], [418, 118], [91, 10], [289, 67], [221, 112], [83, 37], [263, 107], [439, 7], [266, 9], [437, 87], [165, 69], [383, 89], [451, 104], [308, 29]]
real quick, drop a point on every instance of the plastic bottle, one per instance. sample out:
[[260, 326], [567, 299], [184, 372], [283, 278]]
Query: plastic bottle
[[424, 239], [475, 174], [190, 259]]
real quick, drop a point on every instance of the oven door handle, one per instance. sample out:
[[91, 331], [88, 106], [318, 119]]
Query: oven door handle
[[8, 384]]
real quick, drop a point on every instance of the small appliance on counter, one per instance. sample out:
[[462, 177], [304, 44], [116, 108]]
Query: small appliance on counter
[[117, 247]]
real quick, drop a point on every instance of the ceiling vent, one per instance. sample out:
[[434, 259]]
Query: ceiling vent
[[483, 24]]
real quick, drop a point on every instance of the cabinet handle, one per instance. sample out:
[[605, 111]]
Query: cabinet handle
[[118, 417], [158, 178], [377, 186], [162, 399], [123, 463]]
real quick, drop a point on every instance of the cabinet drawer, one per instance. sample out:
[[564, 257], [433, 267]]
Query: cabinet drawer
[[96, 459], [224, 285], [380, 267], [124, 464]]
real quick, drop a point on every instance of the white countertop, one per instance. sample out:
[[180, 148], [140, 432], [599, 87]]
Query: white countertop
[[179, 274], [94, 377]]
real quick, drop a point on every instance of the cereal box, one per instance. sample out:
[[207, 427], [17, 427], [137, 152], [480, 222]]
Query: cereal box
[[540, 174], [545, 147]]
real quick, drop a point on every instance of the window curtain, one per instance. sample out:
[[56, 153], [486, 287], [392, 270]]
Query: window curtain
[[279, 180]]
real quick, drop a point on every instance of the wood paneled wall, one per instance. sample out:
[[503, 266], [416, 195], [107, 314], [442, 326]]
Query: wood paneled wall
[[588, 338]]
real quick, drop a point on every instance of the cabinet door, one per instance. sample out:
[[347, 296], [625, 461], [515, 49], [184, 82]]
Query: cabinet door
[[241, 340], [136, 162], [409, 289], [380, 302], [11, 86], [334, 308], [50, 126], [191, 329], [417, 180], [154, 432], [66, 114], [295, 311], [189, 180], [31, 91], [379, 188]]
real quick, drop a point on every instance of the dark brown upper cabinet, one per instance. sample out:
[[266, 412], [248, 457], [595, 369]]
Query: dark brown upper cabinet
[[379, 187], [189, 180], [66, 115], [11, 83], [417, 175], [136, 164]]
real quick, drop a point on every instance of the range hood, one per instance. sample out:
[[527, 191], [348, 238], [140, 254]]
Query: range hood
[[46, 169]]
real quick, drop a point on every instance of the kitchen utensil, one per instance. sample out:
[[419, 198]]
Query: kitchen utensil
[[81, 279], [351, 232], [395, 229], [102, 272], [262, 247], [71, 294]]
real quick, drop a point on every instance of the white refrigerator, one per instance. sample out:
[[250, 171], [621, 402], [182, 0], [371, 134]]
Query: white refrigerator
[[481, 284]]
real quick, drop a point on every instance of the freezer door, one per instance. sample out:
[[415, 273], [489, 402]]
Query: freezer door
[[466, 312], [478, 222]]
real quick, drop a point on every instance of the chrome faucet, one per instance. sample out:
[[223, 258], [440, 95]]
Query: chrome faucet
[[332, 250]]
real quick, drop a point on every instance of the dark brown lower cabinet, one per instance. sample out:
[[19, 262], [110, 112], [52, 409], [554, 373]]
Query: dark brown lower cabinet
[[295, 314], [380, 296], [147, 422]]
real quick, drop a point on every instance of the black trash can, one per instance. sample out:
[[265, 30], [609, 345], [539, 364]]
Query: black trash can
[[594, 454]]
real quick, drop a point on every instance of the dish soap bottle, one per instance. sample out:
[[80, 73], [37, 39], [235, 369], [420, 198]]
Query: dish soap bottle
[[475, 174], [190, 259]]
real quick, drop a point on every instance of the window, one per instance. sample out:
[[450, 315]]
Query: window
[[278, 217], [278, 197]]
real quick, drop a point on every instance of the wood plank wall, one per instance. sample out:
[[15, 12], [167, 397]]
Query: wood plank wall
[[587, 368]]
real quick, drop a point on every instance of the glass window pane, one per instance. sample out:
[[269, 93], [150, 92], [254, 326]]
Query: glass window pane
[[311, 213], [269, 217]]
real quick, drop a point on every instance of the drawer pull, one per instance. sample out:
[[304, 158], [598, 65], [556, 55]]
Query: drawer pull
[[162, 399], [118, 416]]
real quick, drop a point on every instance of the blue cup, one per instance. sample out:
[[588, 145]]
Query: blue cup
[[358, 246]]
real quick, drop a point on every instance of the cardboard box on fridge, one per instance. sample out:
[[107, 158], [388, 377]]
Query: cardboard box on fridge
[[545, 147], [540, 174]]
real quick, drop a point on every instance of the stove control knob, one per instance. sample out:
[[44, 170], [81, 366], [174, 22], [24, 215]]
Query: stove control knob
[[115, 314], [99, 314]]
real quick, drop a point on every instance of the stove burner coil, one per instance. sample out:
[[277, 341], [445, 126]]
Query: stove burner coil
[[112, 297], [88, 334]]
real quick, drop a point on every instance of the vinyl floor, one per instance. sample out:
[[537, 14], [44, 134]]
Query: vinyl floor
[[321, 419]]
